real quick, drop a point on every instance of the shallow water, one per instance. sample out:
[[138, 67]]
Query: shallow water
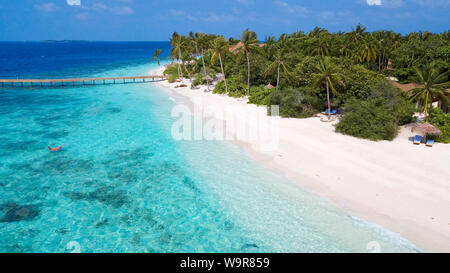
[[122, 184]]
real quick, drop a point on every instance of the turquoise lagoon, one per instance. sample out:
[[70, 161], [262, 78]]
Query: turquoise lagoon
[[122, 184]]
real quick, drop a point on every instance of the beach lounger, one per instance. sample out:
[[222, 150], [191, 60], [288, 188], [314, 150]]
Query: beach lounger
[[430, 143], [417, 139], [333, 112]]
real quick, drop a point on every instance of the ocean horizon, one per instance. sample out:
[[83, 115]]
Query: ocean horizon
[[122, 184]]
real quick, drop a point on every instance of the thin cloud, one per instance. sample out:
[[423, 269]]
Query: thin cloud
[[47, 7], [281, 4], [175, 12], [384, 3], [122, 10], [433, 3], [246, 2], [125, 10], [296, 9], [82, 16], [373, 2], [73, 2]]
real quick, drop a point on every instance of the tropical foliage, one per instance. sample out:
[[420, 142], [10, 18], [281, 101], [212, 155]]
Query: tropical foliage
[[156, 56], [378, 116], [318, 70], [327, 75], [371, 119], [442, 121], [430, 88]]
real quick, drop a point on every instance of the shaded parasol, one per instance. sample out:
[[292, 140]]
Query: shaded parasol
[[426, 129]]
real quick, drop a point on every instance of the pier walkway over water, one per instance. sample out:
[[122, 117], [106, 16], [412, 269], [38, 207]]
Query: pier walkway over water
[[78, 81]]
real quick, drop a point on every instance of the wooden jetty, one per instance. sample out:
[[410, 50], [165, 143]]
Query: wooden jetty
[[78, 81]]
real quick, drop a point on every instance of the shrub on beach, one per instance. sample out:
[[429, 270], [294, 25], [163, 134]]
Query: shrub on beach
[[198, 80], [292, 103], [370, 119], [378, 116], [219, 88], [236, 88], [259, 95], [442, 121]]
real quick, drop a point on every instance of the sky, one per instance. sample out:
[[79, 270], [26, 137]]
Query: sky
[[156, 20]]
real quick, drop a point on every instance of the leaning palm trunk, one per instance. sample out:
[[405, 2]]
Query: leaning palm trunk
[[223, 73], [204, 70], [379, 63], [180, 72], [328, 99], [278, 76], [248, 76], [428, 104]]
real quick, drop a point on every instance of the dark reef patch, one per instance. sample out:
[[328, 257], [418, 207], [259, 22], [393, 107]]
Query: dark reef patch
[[102, 223], [36, 132], [56, 134], [15, 213], [169, 168], [247, 246], [138, 154], [114, 110], [137, 216], [64, 164], [165, 238], [227, 225], [106, 195], [25, 168], [123, 174], [21, 146], [190, 184], [136, 240]]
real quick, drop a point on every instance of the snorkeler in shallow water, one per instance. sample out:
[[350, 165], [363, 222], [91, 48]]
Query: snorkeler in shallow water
[[54, 149]]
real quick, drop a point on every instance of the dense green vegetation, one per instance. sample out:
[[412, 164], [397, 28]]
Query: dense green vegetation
[[442, 121], [377, 117], [310, 72], [371, 119]]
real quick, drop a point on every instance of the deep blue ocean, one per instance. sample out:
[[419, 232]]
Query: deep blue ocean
[[122, 184]]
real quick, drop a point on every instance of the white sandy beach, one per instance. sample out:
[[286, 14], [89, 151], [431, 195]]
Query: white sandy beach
[[401, 186]]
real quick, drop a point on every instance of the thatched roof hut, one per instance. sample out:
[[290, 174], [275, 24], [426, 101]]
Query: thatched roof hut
[[269, 86], [407, 86], [426, 129], [233, 49]]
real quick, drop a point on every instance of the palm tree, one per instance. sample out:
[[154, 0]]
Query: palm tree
[[345, 47], [321, 46], [327, 73], [156, 56], [193, 38], [367, 50], [203, 42], [358, 34], [431, 88], [249, 45], [277, 64], [220, 46], [178, 43]]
